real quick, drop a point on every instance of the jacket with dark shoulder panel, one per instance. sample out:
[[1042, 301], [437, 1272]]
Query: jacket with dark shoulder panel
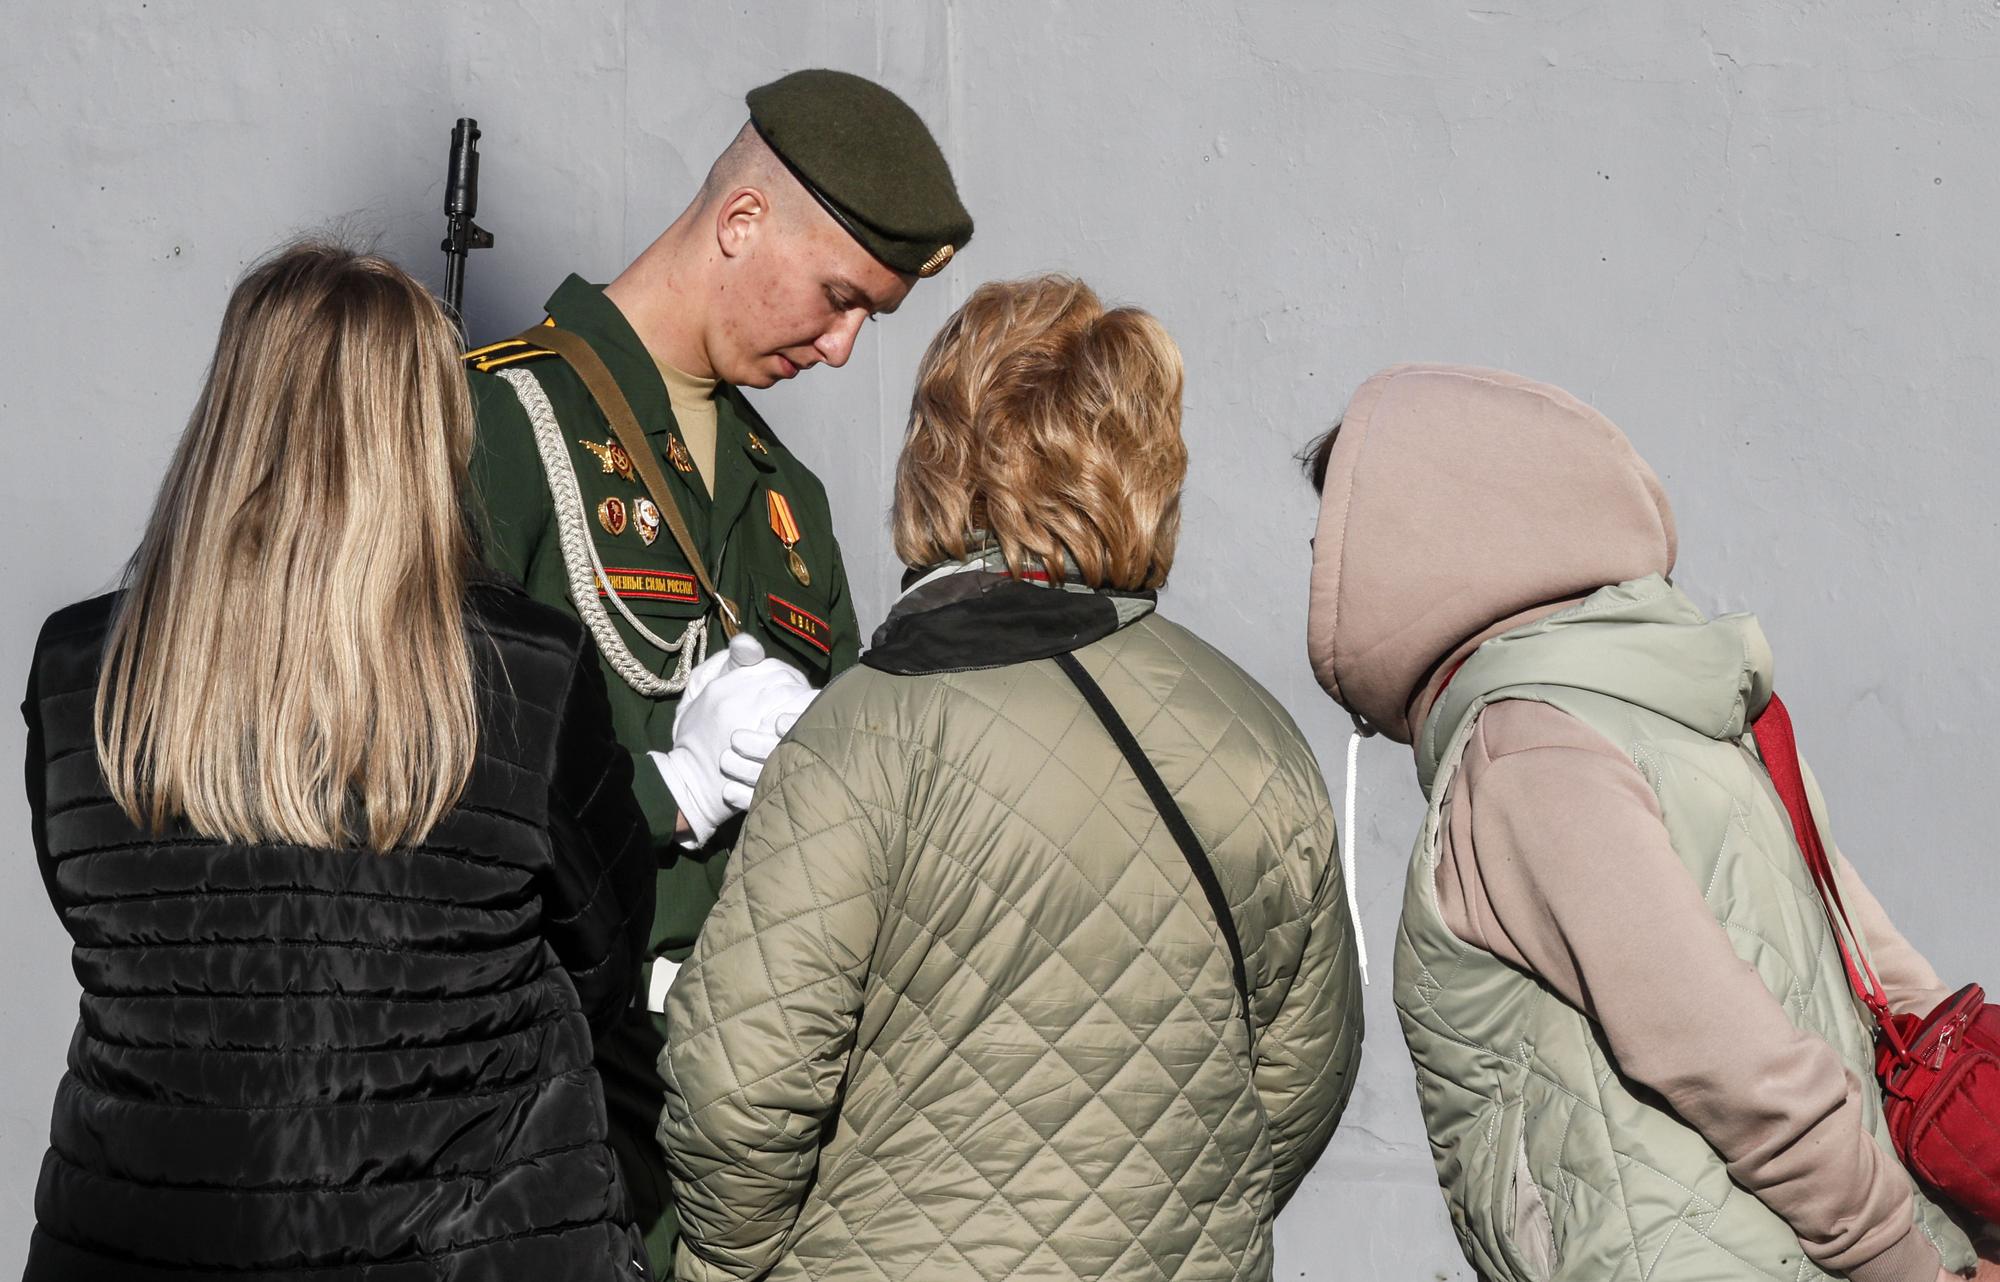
[[1004, 1003]]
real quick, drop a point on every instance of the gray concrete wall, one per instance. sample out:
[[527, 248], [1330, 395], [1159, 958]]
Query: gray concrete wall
[[1760, 237]]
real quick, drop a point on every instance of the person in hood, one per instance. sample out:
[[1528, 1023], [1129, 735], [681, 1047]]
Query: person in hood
[[966, 1008], [1636, 1052]]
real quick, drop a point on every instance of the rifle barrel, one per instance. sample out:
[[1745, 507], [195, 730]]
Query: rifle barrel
[[461, 202]]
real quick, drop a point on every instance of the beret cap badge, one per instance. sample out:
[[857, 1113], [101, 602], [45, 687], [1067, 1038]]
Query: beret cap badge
[[935, 263]]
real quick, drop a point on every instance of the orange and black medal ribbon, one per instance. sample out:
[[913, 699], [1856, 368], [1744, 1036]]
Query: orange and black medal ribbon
[[787, 529]]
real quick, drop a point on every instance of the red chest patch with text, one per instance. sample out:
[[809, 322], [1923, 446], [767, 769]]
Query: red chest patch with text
[[801, 623], [650, 585]]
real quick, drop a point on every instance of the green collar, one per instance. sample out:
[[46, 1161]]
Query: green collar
[[738, 465], [581, 308]]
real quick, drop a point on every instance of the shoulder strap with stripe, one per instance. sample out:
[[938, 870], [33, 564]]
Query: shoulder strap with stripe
[[507, 351]]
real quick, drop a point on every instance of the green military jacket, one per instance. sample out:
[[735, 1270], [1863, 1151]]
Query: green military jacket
[[747, 538]]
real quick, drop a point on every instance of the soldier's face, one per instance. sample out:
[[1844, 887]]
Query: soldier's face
[[800, 300]]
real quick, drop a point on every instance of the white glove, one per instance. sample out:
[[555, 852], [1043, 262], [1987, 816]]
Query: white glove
[[711, 667], [749, 750], [738, 692]]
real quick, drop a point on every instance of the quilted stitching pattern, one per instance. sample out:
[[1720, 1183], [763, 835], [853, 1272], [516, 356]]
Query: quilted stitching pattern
[[962, 1011], [1602, 1155]]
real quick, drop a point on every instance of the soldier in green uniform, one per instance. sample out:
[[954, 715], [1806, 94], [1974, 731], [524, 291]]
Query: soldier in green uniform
[[829, 205]]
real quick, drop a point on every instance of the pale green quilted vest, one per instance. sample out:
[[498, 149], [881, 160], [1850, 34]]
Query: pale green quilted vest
[[1553, 1166]]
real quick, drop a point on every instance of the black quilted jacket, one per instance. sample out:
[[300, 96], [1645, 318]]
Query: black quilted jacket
[[336, 1065]]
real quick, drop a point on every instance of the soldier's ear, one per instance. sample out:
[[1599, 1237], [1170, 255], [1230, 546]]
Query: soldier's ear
[[740, 217]]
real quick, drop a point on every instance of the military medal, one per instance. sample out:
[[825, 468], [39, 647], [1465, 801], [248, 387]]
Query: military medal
[[677, 455], [611, 515], [648, 519], [787, 530], [612, 455]]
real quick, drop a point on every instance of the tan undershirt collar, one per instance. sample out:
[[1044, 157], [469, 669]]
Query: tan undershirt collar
[[693, 402]]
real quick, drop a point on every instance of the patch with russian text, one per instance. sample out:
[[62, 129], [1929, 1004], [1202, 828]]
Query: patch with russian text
[[801, 623], [650, 585]]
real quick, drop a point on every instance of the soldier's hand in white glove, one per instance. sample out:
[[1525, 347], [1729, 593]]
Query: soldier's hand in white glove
[[711, 667], [737, 693], [749, 750]]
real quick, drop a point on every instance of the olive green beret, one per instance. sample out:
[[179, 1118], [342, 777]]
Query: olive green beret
[[870, 161]]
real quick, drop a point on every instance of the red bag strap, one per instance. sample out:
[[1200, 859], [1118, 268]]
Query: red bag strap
[[1778, 746]]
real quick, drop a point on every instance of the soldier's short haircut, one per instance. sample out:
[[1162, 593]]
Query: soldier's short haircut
[[746, 162]]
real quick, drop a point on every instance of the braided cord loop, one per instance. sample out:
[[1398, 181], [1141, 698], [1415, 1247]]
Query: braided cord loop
[[586, 569]]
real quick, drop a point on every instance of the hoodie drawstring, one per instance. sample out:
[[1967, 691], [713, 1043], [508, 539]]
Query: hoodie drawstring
[[1347, 838]]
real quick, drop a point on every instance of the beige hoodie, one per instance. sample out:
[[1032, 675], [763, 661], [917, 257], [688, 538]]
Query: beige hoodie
[[1459, 504]]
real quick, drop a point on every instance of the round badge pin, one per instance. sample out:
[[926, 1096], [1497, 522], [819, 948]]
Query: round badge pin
[[647, 518]]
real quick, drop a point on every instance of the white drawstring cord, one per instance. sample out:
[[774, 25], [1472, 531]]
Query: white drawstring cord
[[1348, 841]]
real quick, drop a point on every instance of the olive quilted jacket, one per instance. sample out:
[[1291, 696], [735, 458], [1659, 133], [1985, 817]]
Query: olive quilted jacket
[[963, 1011]]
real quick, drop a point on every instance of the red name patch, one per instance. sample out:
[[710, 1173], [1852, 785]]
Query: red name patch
[[800, 623], [650, 585]]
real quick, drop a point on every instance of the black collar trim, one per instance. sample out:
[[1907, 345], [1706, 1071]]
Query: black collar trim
[[979, 619]]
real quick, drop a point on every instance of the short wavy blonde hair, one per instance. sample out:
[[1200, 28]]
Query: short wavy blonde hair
[[1052, 426]]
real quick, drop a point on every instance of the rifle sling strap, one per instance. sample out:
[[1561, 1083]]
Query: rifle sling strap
[[610, 398]]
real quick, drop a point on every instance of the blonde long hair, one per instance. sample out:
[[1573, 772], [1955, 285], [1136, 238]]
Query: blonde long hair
[[290, 659], [1051, 425]]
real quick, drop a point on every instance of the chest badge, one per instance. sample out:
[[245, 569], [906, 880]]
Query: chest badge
[[677, 454], [647, 518], [613, 456], [612, 516], [786, 527]]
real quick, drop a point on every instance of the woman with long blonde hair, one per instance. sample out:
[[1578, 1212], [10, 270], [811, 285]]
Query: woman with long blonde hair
[[340, 832]]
